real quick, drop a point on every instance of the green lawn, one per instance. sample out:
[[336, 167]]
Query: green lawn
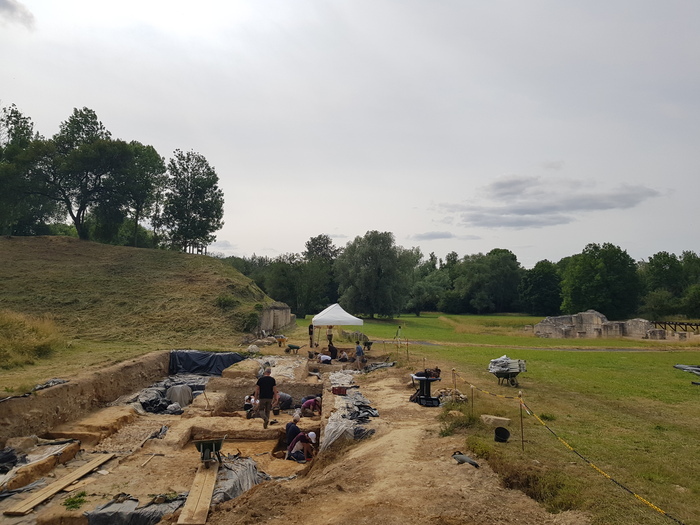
[[619, 403]]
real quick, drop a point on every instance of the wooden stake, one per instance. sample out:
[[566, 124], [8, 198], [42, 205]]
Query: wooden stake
[[522, 435]]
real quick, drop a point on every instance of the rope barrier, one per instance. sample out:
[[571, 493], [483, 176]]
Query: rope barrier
[[572, 449]]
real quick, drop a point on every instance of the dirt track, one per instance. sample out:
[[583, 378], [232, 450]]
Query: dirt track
[[402, 474]]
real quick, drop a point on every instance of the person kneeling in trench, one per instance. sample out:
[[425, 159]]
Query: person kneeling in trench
[[301, 448], [309, 408]]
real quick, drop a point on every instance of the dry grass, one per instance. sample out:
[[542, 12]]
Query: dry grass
[[111, 302], [25, 339]]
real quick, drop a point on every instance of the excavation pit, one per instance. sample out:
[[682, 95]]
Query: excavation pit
[[154, 453]]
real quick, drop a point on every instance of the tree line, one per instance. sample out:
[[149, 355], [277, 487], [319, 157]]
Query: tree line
[[108, 189], [372, 276]]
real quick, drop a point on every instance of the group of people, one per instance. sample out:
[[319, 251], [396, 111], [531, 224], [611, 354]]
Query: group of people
[[359, 359], [300, 445]]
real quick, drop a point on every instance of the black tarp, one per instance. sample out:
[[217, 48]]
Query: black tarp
[[125, 511], [202, 363]]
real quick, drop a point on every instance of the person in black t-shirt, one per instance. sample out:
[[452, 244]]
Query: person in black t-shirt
[[266, 394]]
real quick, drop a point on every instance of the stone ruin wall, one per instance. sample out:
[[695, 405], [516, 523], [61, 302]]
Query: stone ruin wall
[[275, 318], [592, 324]]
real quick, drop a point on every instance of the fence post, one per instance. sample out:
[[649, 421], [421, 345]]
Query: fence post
[[522, 435]]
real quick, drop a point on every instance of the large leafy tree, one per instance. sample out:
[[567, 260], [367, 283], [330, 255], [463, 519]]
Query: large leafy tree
[[142, 184], [486, 283], [540, 289], [318, 285], [21, 211], [664, 271], [78, 166], [374, 275], [603, 278], [194, 204], [429, 285]]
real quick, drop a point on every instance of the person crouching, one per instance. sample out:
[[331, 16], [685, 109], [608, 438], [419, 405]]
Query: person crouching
[[301, 448]]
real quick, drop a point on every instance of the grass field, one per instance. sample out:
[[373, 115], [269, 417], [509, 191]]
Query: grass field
[[619, 403]]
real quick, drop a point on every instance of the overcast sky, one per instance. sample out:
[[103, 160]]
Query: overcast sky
[[534, 126]]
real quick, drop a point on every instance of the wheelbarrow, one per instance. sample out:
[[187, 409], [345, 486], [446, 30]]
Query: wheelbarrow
[[507, 370], [293, 348], [510, 378], [208, 449]]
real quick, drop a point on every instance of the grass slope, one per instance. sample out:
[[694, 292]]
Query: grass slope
[[114, 301]]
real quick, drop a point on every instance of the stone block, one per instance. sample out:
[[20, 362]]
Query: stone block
[[495, 421]]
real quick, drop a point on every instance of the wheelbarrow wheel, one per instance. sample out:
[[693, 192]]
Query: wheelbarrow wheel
[[206, 457], [513, 381]]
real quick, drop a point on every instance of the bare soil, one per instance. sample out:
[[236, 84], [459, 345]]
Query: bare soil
[[403, 473]]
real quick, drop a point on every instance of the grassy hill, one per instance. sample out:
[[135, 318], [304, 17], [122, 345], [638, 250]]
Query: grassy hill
[[113, 296]]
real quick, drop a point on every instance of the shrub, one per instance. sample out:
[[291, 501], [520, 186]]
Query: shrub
[[24, 339], [225, 301]]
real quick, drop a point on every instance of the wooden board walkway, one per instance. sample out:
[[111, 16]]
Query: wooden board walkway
[[196, 507], [26, 506]]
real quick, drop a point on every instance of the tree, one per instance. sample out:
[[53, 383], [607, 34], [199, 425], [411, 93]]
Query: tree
[[691, 301], [78, 165], [664, 271], [427, 291], [374, 275], [691, 267], [194, 204], [487, 283], [318, 284], [21, 211], [603, 278], [658, 303], [540, 289], [321, 247], [142, 183]]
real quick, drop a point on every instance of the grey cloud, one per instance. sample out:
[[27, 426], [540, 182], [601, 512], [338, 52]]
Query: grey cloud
[[511, 186], [431, 236], [13, 11], [438, 236], [531, 202]]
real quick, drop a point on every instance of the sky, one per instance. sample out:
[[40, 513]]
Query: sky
[[536, 126]]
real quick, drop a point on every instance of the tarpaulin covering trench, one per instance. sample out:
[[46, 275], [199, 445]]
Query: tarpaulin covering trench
[[202, 363], [125, 511]]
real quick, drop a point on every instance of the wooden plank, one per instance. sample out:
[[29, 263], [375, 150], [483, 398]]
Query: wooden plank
[[196, 508], [26, 506]]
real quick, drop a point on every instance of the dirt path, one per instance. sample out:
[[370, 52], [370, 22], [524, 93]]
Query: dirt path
[[403, 474]]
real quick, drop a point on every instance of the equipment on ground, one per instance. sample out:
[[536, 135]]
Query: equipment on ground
[[208, 449], [507, 370]]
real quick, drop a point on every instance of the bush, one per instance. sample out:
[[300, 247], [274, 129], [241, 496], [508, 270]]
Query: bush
[[225, 301], [24, 339]]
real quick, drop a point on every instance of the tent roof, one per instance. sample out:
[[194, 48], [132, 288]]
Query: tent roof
[[335, 315]]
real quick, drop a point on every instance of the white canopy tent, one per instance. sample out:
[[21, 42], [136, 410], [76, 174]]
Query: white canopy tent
[[334, 315]]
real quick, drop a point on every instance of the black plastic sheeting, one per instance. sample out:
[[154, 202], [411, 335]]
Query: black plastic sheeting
[[9, 458], [125, 511], [202, 363], [236, 476]]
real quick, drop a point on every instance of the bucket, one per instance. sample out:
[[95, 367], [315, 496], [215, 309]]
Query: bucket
[[501, 435], [276, 411]]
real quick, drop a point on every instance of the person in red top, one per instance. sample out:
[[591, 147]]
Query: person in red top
[[309, 408], [301, 448]]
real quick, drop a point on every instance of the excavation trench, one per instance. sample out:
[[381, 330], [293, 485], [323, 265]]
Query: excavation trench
[[155, 459]]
